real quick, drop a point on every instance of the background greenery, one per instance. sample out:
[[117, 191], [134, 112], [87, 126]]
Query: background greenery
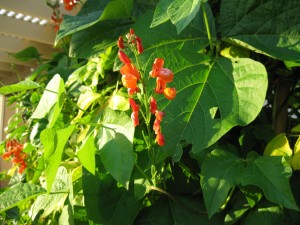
[[232, 149]]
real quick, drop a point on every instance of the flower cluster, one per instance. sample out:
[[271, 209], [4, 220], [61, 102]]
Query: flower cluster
[[131, 77], [56, 15], [15, 151]]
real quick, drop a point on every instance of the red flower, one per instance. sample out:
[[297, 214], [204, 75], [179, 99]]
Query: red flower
[[135, 118], [139, 45], [153, 105], [156, 126], [166, 74], [159, 115], [123, 57], [121, 43], [157, 65], [130, 69], [170, 93], [161, 84], [129, 81], [160, 139], [135, 107]]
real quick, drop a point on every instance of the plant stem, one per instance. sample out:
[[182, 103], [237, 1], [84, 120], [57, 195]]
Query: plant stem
[[207, 28]]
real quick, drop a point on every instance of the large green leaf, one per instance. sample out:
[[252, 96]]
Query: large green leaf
[[221, 171], [53, 94], [47, 203], [86, 154], [94, 40], [107, 204], [268, 214], [271, 27], [24, 85], [114, 142], [27, 54], [182, 12], [54, 142], [212, 97], [184, 210], [271, 174], [18, 194]]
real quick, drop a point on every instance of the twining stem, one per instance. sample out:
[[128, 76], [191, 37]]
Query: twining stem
[[207, 28]]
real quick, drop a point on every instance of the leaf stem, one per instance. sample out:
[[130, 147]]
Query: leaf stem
[[207, 28]]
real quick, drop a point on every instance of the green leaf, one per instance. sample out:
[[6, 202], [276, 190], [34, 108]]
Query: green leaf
[[221, 171], [18, 194], [54, 142], [271, 174], [27, 54], [24, 85], [50, 97], [88, 43], [114, 142], [251, 25], [278, 146], [86, 154], [213, 97], [182, 12], [106, 203], [161, 13], [85, 100], [73, 24], [181, 210], [116, 9], [268, 214], [50, 202]]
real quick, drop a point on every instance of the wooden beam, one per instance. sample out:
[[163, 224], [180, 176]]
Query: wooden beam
[[34, 8], [27, 30], [13, 45], [7, 67]]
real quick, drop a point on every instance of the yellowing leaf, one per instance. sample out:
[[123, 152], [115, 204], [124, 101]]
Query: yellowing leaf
[[295, 163], [297, 146], [278, 146], [235, 52]]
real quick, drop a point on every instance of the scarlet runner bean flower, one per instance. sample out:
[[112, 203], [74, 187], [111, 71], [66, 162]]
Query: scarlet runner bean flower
[[131, 77], [15, 151]]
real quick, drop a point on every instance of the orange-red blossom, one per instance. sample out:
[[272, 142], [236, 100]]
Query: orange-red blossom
[[163, 76], [15, 150]]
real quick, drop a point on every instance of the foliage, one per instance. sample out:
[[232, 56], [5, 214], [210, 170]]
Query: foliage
[[226, 150]]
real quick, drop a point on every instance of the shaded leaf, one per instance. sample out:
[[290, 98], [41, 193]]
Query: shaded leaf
[[251, 25], [271, 174], [106, 203], [161, 13], [24, 85], [18, 194], [116, 9], [221, 171], [267, 214]]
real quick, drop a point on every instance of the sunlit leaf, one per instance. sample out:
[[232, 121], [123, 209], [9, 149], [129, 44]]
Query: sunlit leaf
[[21, 86], [18, 194], [49, 202], [278, 146], [86, 154], [114, 143]]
